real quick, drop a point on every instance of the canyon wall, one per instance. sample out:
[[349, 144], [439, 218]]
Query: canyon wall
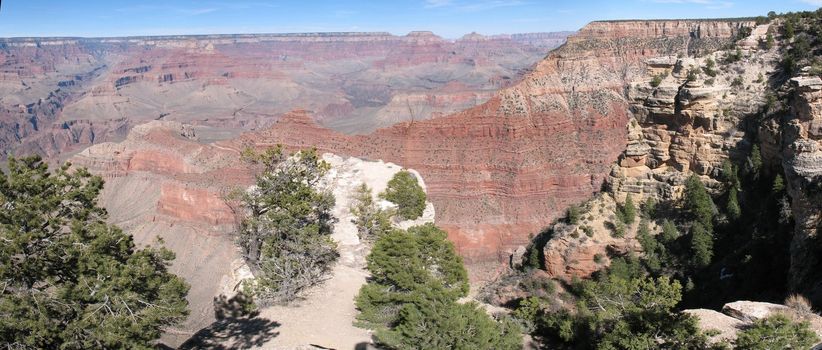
[[58, 95], [499, 172], [796, 140]]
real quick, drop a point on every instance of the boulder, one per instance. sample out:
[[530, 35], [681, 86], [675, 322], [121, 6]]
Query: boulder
[[749, 311]]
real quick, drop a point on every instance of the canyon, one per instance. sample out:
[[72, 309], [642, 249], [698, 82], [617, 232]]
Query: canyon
[[496, 173], [59, 95], [505, 139]]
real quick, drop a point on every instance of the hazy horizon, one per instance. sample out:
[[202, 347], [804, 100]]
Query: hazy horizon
[[449, 19]]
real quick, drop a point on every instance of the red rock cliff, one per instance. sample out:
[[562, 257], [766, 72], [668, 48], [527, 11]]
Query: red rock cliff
[[499, 172]]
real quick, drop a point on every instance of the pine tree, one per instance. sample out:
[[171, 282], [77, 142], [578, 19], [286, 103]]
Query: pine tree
[[70, 280], [698, 202], [628, 210], [411, 299], [669, 232], [702, 245], [755, 161], [778, 185]]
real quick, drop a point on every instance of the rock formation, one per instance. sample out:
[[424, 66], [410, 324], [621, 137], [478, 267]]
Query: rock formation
[[691, 121], [798, 143]]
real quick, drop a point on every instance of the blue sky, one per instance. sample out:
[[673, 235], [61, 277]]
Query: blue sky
[[448, 18]]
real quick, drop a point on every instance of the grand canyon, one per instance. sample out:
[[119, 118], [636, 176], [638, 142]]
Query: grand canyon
[[529, 148]]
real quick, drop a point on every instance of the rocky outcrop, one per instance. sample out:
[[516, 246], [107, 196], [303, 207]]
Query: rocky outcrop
[[688, 115], [578, 250]]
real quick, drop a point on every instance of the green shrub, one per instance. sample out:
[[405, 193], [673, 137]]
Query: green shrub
[[573, 214], [624, 313], [734, 56], [438, 324], [737, 82], [617, 229], [657, 79], [404, 264], [710, 67], [371, 221], [692, 75], [776, 332], [404, 191]]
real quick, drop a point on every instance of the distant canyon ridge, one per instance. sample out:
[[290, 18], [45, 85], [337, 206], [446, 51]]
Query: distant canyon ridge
[[59, 95]]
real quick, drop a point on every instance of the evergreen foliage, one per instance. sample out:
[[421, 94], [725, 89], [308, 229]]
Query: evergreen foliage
[[404, 191], [627, 211], [371, 221], [648, 208], [70, 280], [439, 324], [710, 67], [285, 235], [573, 214], [624, 310], [669, 232], [776, 332], [698, 202], [416, 279], [702, 245], [657, 79], [755, 161], [778, 185]]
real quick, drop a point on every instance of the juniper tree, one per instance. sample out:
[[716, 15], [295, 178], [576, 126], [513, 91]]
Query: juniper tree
[[404, 191], [69, 279], [624, 311], [285, 235], [411, 299]]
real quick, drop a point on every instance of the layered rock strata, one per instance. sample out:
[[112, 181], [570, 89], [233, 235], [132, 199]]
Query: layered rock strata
[[58, 95], [503, 170], [798, 143], [688, 117]]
